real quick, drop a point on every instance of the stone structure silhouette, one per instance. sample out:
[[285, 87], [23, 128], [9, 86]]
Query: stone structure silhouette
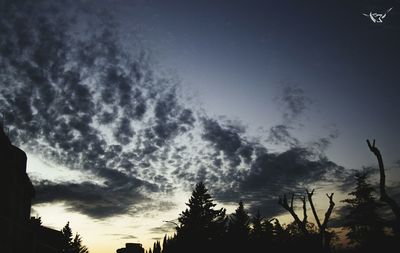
[[18, 233]]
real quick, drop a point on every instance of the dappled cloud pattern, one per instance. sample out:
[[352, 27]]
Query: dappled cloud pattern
[[72, 94]]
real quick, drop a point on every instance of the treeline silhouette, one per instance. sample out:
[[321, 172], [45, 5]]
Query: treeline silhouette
[[203, 228], [66, 242]]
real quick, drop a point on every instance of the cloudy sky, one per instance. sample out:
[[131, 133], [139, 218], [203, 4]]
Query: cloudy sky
[[122, 106]]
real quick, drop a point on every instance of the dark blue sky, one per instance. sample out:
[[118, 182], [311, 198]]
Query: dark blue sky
[[238, 55]]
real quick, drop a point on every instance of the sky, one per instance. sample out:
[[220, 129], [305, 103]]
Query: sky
[[122, 106]]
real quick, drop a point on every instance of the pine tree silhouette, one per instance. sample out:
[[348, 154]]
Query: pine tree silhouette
[[200, 223], [77, 246], [72, 244], [239, 229], [157, 247], [68, 238], [363, 221], [257, 231]]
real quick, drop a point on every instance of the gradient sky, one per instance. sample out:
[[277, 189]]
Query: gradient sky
[[256, 98]]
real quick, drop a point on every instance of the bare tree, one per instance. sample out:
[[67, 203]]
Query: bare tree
[[325, 236], [302, 224], [382, 186]]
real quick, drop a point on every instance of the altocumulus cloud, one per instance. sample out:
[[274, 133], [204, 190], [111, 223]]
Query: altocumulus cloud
[[80, 99], [259, 176], [92, 199]]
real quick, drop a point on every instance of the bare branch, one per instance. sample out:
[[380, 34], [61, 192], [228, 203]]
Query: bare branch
[[284, 203], [303, 199], [329, 211], [291, 202], [322, 227], [309, 195], [382, 184]]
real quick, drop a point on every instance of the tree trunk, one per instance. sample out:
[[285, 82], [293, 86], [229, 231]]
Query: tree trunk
[[382, 187], [324, 235]]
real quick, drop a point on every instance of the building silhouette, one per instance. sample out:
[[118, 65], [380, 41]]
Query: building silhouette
[[19, 233], [131, 248]]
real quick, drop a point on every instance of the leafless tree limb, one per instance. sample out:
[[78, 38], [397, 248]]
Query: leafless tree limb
[[283, 201], [382, 185]]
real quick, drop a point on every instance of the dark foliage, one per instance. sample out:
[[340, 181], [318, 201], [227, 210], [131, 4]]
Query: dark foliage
[[202, 228], [72, 244], [238, 231], [363, 221], [200, 223]]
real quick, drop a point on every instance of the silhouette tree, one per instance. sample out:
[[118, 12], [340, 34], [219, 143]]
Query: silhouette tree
[[239, 224], [280, 234], [304, 231], [256, 233], [302, 224], [170, 244], [72, 244], [238, 229], [68, 238], [324, 235], [267, 229], [77, 246], [36, 221], [293, 229], [165, 243], [382, 187], [200, 223], [364, 224], [157, 247], [261, 233]]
